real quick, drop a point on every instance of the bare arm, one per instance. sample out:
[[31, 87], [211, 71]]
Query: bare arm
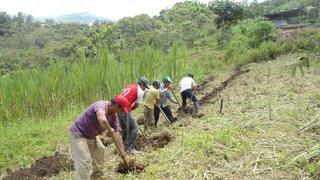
[[102, 119], [135, 106], [171, 98], [194, 85], [157, 102]]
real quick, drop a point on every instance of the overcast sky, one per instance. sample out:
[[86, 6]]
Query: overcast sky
[[112, 9]]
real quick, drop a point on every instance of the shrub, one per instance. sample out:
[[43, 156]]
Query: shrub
[[270, 50], [260, 31], [305, 44]]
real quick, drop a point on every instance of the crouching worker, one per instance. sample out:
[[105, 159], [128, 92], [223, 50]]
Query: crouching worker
[[87, 149], [151, 99], [187, 86], [165, 95]]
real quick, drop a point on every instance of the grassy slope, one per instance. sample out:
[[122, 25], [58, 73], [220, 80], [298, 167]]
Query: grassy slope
[[250, 140], [22, 142], [245, 142]]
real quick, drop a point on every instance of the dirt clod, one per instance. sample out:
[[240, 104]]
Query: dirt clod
[[133, 166], [155, 141], [140, 120], [43, 167], [106, 141]]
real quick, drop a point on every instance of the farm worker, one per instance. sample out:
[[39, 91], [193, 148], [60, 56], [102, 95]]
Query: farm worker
[[87, 149], [187, 85], [134, 94], [151, 100], [165, 95]]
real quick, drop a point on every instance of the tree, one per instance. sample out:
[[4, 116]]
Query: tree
[[4, 23], [228, 13]]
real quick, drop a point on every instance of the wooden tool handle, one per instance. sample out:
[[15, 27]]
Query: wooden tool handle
[[117, 144]]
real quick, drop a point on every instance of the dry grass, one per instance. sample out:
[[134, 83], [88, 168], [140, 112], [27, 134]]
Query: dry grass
[[269, 129]]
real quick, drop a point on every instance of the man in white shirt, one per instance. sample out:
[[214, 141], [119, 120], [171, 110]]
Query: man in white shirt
[[187, 85]]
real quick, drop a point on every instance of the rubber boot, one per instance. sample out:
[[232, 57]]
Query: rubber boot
[[197, 107]]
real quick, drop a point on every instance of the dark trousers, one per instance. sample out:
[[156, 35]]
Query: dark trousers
[[129, 140], [167, 112], [188, 94]]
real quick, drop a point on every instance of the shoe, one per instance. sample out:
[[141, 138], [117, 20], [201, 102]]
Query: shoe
[[133, 152], [97, 175]]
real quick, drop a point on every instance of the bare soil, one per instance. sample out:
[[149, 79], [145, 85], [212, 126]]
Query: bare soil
[[208, 96], [237, 72], [43, 168], [155, 141], [133, 166]]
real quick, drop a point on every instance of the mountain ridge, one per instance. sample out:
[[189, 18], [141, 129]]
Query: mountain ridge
[[82, 18]]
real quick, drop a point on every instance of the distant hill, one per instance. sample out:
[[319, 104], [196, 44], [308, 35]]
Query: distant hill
[[83, 18]]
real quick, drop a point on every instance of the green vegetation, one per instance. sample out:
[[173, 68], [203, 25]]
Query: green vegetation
[[44, 92], [22, 142], [51, 71], [228, 13]]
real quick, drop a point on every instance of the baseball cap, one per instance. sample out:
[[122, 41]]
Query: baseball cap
[[123, 102], [144, 81], [156, 83], [167, 79]]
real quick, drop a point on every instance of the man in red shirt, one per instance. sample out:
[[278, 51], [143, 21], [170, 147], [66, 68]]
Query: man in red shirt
[[134, 94]]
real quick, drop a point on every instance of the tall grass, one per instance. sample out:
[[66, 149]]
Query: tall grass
[[45, 92]]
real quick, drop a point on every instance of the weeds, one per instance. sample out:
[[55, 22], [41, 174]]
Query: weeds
[[45, 92]]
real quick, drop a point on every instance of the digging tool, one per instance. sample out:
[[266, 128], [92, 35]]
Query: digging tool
[[176, 98], [165, 116], [145, 137], [117, 144], [127, 126], [124, 166]]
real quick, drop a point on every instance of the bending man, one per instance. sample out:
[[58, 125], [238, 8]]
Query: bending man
[[187, 86], [134, 94], [87, 149]]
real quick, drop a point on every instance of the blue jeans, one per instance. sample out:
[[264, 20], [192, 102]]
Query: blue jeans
[[129, 140]]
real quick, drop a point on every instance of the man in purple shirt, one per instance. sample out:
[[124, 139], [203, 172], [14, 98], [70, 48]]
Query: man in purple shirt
[[87, 149]]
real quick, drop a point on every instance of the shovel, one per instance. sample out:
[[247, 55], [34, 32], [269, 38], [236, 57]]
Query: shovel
[[117, 144], [126, 166], [165, 116], [176, 98]]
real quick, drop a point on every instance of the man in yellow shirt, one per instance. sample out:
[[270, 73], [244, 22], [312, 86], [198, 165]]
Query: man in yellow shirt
[[151, 98]]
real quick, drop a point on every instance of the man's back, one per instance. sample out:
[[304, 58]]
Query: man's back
[[186, 83], [133, 93], [150, 96]]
